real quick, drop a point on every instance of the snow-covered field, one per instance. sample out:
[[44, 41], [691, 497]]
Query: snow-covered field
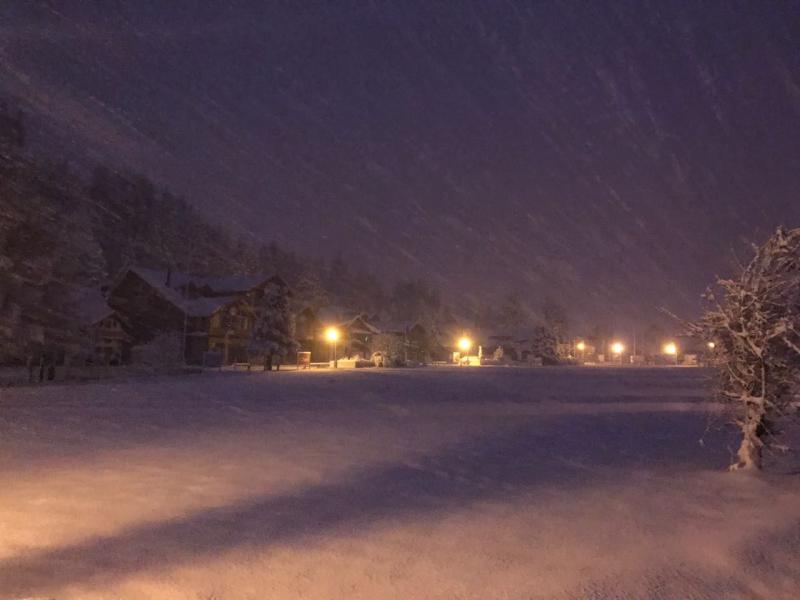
[[433, 483]]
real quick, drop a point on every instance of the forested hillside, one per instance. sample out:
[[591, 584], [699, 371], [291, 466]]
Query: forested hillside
[[63, 234]]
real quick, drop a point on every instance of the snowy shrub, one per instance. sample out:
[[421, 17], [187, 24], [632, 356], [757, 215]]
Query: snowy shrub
[[753, 322], [164, 351], [392, 347]]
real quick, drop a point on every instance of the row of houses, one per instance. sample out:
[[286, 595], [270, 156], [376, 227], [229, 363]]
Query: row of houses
[[211, 317]]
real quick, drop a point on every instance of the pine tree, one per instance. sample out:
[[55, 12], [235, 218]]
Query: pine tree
[[309, 291], [513, 316], [273, 329], [47, 256], [12, 132], [543, 345], [555, 319], [415, 301]]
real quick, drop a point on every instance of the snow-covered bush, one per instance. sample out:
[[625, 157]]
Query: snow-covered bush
[[753, 323], [163, 351], [391, 347]]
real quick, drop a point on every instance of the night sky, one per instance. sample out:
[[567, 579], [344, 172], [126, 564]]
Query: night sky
[[612, 156]]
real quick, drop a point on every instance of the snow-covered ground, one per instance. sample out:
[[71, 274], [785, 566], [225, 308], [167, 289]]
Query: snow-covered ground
[[432, 483]]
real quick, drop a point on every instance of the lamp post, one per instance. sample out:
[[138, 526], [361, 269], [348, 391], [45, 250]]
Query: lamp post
[[581, 347], [617, 348], [671, 350], [464, 344], [332, 335], [710, 353]]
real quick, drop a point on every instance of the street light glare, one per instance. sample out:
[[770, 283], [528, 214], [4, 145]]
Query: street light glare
[[464, 344], [581, 346], [331, 334], [711, 345], [670, 348], [617, 348]]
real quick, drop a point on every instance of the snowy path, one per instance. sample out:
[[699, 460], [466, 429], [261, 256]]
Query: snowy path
[[449, 483]]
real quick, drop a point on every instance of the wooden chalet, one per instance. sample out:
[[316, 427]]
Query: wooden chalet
[[356, 331], [210, 313], [107, 331], [417, 341]]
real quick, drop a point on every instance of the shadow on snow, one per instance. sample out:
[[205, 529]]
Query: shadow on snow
[[523, 455]]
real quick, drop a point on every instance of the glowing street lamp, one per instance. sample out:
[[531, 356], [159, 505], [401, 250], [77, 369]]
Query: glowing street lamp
[[671, 350], [581, 347], [617, 348], [464, 344], [711, 345], [332, 335]]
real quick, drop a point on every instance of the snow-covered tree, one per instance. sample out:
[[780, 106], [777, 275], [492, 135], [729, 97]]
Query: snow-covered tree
[[416, 301], [754, 323], [309, 291], [543, 345], [555, 319], [12, 131], [47, 254], [273, 329], [513, 316]]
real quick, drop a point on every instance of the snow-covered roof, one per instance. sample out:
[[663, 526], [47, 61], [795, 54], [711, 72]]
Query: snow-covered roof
[[398, 326], [196, 307], [158, 281], [230, 283], [337, 315], [227, 285], [393, 326], [359, 324], [363, 329], [354, 321], [205, 307]]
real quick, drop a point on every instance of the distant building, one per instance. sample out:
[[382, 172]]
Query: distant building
[[107, 331], [308, 336], [208, 313], [507, 346], [105, 336], [416, 341], [357, 335], [356, 332]]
